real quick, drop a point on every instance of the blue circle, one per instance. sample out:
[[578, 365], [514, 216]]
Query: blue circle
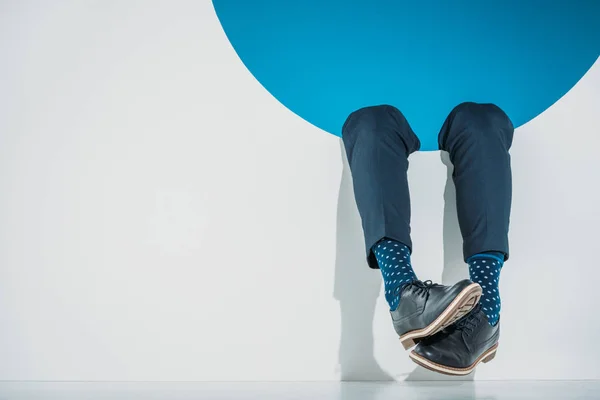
[[326, 58]]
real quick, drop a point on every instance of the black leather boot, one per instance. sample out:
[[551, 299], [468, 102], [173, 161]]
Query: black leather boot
[[426, 308], [459, 348]]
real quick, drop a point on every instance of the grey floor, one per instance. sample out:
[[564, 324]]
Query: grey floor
[[302, 390]]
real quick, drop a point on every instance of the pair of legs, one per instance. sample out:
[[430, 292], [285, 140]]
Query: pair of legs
[[378, 141]]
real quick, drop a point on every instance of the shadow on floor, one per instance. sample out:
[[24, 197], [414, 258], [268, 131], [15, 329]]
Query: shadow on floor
[[454, 268], [356, 289]]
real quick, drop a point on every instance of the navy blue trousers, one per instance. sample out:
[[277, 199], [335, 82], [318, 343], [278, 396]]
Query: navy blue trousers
[[378, 141]]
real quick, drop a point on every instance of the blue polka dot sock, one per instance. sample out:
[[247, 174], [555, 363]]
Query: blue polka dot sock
[[485, 269], [393, 259]]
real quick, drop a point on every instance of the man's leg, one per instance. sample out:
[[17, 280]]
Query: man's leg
[[478, 138], [378, 141]]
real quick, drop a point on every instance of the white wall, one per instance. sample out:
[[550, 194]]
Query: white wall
[[162, 217]]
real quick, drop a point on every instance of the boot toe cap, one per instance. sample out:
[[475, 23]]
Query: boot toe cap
[[438, 355]]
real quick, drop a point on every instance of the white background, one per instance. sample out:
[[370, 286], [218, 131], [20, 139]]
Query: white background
[[163, 217]]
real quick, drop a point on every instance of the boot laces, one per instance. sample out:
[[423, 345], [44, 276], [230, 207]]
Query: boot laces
[[417, 286], [470, 321]]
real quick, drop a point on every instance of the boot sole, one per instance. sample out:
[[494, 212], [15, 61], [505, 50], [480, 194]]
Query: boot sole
[[458, 308], [486, 357]]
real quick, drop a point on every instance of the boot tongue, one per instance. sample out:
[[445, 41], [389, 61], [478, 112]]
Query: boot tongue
[[424, 284]]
